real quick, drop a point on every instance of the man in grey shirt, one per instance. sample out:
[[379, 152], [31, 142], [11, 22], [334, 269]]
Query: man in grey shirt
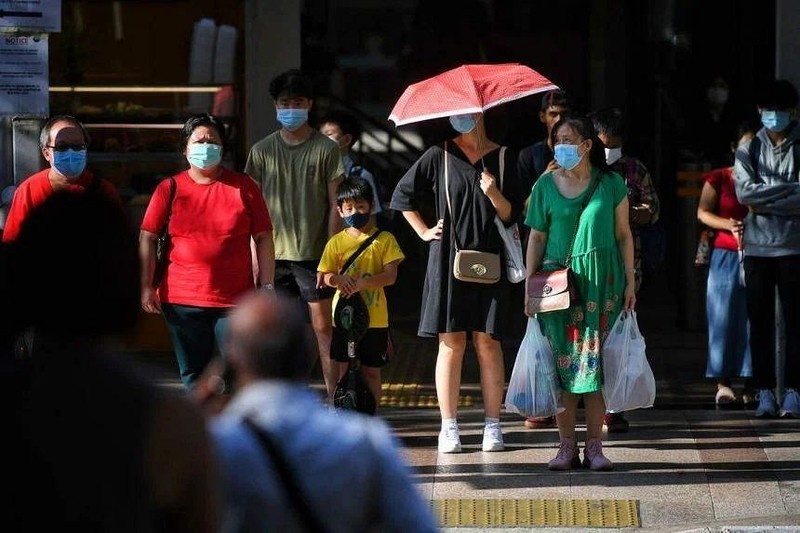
[[766, 174], [288, 462]]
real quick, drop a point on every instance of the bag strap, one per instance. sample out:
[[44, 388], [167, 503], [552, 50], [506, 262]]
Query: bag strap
[[584, 203], [359, 250], [172, 187], [297, 497]]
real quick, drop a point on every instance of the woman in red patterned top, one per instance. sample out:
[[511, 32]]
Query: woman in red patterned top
[[215, 213], [726, 306]]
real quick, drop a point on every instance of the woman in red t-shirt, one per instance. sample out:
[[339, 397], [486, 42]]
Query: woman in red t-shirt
[[726, 305], [215, 213]]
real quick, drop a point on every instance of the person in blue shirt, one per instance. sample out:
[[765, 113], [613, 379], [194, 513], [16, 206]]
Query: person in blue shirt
[[287, 462]]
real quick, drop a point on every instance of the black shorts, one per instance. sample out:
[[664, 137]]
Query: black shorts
[[299, 278], [372, 350]]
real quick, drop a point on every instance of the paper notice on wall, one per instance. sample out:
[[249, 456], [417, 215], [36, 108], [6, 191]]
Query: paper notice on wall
[[24, 82], [31, 15]]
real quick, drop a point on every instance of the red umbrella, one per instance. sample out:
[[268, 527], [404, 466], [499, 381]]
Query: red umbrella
[[467, 89]]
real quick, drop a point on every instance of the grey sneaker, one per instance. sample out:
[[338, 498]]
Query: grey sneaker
[[493, 438], [449, 440], [791, 404], [767, 405]]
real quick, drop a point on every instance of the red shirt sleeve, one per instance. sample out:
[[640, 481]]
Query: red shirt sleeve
[[254, 202], [715, 178], [156, 213]]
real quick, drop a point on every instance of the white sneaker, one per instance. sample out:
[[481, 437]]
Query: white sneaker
[[767, 405], [791, 404], [493, 438], [449, 440]]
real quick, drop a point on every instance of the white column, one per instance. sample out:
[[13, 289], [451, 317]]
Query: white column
[[272, 45]]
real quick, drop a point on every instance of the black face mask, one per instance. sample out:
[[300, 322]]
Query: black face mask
[[357, 220]]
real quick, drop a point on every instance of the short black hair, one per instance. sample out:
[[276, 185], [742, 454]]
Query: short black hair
[[202, 119], [292, 82], [608, 121], [778, 94], [556, 97], [346, 122], [44, 134], [354, 188]]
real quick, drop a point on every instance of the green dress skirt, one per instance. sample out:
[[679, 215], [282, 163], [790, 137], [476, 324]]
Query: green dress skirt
[[576, 334]]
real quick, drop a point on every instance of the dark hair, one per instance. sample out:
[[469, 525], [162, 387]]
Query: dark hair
[[293, 83], [44, 134], [275, 343], [556, 97], [747, 125], [608, 121], [88, 241], [583, 126], [203, 119], [354, 188], [778, 94], [346, 122]]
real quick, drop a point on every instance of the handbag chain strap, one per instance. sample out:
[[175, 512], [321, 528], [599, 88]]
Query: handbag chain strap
[[447, 189], [578, 220]]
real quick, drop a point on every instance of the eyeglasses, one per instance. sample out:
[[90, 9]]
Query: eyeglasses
[[64, 147]]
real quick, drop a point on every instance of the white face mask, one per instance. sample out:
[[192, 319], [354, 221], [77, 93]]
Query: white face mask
[[613, 155]]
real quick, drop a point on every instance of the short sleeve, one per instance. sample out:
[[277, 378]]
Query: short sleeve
[[156, 213], [419, 178], [619, 191], [334, 167], [254, 203], [327, 262], [715, 179], [538, 216], [391, 249]]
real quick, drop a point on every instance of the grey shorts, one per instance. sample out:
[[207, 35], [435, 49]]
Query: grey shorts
[[299, 278]]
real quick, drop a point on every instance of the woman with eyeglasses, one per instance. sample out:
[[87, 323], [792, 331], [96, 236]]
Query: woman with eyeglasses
[[211, 215], [578, 213], [63, 141]]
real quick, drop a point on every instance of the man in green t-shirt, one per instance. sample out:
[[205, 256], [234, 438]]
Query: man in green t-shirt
[[298, 170]]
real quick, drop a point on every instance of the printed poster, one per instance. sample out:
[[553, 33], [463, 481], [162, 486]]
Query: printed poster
[[30, 15], [24, 77]]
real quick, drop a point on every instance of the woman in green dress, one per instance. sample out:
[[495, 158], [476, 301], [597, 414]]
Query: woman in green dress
[[602, 260]]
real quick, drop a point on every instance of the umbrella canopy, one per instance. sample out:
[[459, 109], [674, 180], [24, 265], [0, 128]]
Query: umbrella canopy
[[467, 89]]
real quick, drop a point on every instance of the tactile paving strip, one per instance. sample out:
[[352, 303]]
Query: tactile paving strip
[[544, 513]]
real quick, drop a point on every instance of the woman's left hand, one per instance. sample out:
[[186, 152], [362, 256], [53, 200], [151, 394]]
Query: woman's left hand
[[487, 182], [630, 297]]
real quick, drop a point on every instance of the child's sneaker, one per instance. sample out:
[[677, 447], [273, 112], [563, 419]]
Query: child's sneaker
[[493, 438], [449, 440], [767, 405], [791, 405], [567, 457]]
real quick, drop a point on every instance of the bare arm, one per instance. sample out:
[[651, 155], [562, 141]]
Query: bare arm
[[348, 285], [422, 230], [147, 262], [334, 220], [265, 255], [537, 242], [706, 213], [490, 189], [622, 232]]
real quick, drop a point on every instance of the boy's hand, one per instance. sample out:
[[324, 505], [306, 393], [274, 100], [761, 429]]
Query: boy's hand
[[347, 285]]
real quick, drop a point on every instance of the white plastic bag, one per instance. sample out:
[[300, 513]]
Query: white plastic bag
[[628, 381], [512, 244], [533, 390], [512, 248]]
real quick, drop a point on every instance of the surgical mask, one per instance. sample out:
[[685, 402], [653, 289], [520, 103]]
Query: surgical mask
[[567, 156], [357, 220], [717, 95], [69, 163], [613, 155], [775, 121], [292, 118], [463, 123], [204, 155]]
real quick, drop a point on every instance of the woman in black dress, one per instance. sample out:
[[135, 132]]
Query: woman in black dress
[[452, 308]]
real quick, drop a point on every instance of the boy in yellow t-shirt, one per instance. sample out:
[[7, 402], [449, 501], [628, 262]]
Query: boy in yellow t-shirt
[[374, 269]]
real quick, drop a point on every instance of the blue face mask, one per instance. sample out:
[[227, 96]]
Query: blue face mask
[[357, 220], [204, 155], [567, 156], [776, 121], [69, 163], [292, 118], [463, 123]]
